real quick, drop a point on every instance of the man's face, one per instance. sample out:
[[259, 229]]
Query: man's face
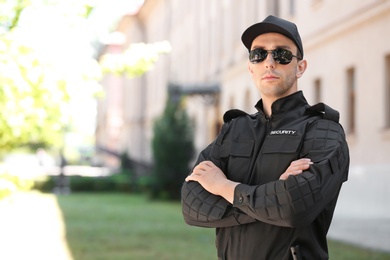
[[272, 79]]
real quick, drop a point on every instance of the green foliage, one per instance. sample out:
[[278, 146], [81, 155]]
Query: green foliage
[[114, 183], [34, 89], [127, 169], [126, 163], [10, 12], [44, 183], [30, 102], [11, 183], [145, 184], [136, 60], [173, 149], [42, 73]]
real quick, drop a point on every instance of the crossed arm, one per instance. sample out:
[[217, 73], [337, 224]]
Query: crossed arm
[[214, 180], [211, 200]]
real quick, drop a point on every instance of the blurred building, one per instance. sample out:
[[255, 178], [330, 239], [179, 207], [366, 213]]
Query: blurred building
[[347, 46]]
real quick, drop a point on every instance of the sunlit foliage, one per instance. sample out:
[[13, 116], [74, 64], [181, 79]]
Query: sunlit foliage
[[47, 68], [136, 60], [34, 91]]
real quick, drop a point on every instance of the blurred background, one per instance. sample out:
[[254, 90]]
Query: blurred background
[[107, 97]]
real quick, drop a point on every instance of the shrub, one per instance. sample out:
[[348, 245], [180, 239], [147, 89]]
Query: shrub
[[173, 149], [45, 183], [113, 183]]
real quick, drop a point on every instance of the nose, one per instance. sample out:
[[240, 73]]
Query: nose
[[269, 61]]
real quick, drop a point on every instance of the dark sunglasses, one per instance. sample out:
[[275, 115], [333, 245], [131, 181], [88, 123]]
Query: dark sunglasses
[[281, 56]]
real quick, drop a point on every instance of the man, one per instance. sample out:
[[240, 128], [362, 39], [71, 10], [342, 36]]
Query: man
[[270, 181]]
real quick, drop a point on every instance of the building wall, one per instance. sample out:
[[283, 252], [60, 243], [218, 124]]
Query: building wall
[[355, 38], [206, 48]]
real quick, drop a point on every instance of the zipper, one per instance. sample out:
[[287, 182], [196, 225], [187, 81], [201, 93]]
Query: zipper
[[256, 154]]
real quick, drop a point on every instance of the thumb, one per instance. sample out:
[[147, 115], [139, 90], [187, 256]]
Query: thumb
[[190, 178]]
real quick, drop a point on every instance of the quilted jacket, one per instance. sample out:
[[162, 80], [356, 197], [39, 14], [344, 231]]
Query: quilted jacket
[[272, 218]]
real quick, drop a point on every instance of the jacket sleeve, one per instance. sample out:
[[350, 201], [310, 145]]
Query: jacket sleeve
[[201, 208], [297, 201]]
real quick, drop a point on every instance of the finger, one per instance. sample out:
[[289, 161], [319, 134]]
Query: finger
[[200, 167], [285, 175], [208, 163], [295, 172], [301, 165], [198, 171], [191, 177], [299, 168], [300, 161]]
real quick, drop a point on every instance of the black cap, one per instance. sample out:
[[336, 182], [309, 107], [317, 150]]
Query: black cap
[[272, 24]]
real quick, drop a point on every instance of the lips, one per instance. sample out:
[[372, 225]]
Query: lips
[[270, 77]]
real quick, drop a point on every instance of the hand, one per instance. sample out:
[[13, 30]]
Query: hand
[[208, 175], [213, 180], [296, 167]]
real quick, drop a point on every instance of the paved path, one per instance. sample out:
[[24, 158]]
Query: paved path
[[362, 215], [31, 227]]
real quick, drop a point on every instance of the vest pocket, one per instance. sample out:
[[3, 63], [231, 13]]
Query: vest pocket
[[277, 154], [237, 148], [239, 156]]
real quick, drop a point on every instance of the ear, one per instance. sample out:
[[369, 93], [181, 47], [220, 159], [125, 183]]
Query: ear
[[301, 68]]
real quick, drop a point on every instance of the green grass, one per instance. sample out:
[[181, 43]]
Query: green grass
[[115, 227], [344, 251], [126, 227]]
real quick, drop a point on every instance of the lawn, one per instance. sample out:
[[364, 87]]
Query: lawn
[[127, 227]]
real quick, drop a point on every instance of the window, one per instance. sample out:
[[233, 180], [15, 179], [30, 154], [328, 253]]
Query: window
[[351, 89], [317, 91], [387, 92]]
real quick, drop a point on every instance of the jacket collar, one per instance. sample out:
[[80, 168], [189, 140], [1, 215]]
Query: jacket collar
[[285, 104]]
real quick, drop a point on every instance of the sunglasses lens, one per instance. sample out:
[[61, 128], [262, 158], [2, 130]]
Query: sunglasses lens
[[257, 55], [282, 56]]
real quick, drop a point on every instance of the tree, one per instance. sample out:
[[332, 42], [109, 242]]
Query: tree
[[173, 149], [34, 92], [42, 72], [137, 59]]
